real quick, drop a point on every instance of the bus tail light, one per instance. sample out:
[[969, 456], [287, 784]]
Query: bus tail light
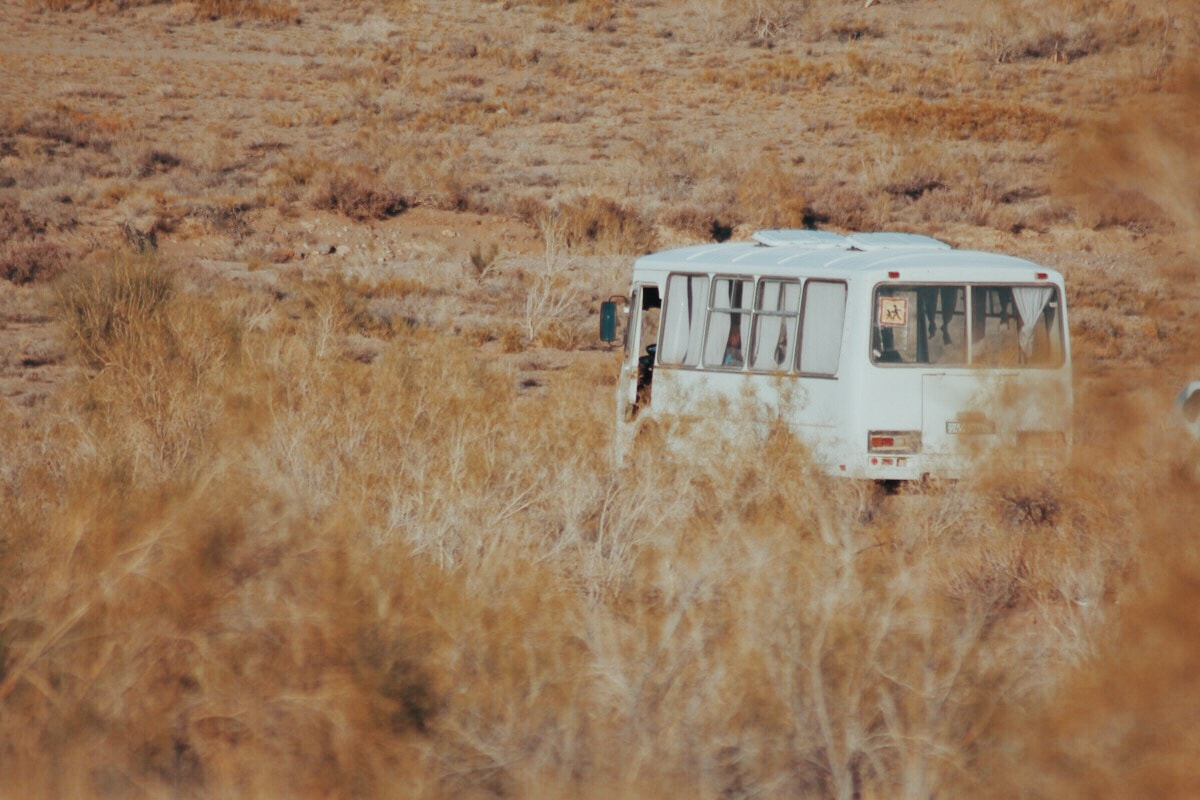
[[894, 442]]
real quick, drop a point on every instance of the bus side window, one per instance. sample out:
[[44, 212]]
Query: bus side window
[[651, 305], [822, 318], [685, 307], [728, 323], [773, 335], [648, 341]]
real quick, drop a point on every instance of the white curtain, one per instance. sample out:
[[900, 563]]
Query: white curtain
[[789, 302], [699, 290], [1031, 302], [729, 297], [683, 326], [767, 327], [821, 327], [775, 325], [673, 347], [718, 338]]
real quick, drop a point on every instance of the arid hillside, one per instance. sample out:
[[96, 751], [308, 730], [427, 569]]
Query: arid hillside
[[306, 475]]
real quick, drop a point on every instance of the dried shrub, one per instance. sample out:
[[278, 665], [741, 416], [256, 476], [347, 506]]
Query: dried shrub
[[596, 14], [598, 224], [361, 557], [19, 223], [528, 209], [770, 194], [1136, 168], [853, 28], [592, 15], [444, 582], [357, 194], [1121, 320], [482, 260], [1117, 725], [111, 308], [26, 255], [980, 120], [765, 21], [65, 125], [768, 23], [1060, 30], [230, 216], [849, 205], [31, 262], [1066, 30], [774, 75], [155, 161], [264, 10], [1009, 33], [699, 224]]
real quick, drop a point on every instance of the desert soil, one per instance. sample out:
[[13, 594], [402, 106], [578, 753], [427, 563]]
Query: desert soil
[[210, 135]]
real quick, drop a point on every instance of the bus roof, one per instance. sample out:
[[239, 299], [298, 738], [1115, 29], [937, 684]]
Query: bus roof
[[822, 254]]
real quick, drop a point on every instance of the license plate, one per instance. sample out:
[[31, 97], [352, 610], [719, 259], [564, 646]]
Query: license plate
[[970, 427]]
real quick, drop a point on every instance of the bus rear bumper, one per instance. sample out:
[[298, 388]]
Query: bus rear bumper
[[893, 467]]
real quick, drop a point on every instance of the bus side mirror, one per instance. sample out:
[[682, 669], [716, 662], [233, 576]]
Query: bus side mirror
[[608, 319]]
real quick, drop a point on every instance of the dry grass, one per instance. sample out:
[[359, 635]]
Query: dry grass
[[358, 195], [1127, 171], [598, 224], [771, 195], [774, 75], [987, 122], [262, 10], [349, 523], [212, 584], [1066, 30], [26, 255]]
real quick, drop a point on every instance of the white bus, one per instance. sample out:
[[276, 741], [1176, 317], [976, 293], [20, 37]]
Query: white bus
[[891, 356]]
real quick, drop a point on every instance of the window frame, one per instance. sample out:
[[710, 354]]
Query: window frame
[[785, 316], [751, 309], [713, 280], [968, 320], [667, 293], [796, 365]]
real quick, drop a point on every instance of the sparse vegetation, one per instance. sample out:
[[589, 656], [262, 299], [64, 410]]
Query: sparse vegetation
[[306, 492], [985, 122], [598, 224], [444, 580], [358, 195], [266, 10], [482, 260], [26, 254]]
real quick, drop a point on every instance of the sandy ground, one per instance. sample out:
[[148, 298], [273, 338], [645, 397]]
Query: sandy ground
[[552, 109]]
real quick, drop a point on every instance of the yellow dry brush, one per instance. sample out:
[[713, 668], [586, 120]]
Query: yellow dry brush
[[237, 561]]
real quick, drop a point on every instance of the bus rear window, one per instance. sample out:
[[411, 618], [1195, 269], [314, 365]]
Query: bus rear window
[[1016, 326], [919, 325], [1009, 326]]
